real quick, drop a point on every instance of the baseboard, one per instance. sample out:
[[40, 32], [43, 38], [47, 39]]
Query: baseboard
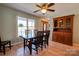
[[75, 44]]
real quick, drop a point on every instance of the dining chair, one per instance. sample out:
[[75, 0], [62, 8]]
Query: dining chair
[[38, 41], [3, 45], [46, 38]]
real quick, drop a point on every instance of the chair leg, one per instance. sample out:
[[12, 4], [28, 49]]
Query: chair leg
[[0, 48], [10, 44], [47, 43], [37, 49], [42, 46], [4, 49]]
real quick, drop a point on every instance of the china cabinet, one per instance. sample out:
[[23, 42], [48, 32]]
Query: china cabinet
[[63, 29]]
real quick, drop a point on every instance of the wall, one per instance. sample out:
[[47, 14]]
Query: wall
[[0, 24], [51, 27], [76, 29], [8, 23]]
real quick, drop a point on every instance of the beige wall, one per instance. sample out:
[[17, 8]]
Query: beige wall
[[76, 29], [8, 23], [51, 27], [0, 24]]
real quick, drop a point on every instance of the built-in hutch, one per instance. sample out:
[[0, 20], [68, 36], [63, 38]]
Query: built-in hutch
[[63, 29]]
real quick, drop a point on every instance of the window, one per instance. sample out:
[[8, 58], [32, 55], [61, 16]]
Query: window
[[31, 26], [25, 26], [22, 26]]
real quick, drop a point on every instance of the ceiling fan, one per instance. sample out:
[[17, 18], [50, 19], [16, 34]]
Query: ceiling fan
[[45, 7]]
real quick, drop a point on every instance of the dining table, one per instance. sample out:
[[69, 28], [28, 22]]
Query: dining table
[[27, 41]]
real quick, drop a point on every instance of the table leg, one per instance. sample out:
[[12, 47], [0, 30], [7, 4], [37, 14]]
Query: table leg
[[30, 47], [24, 45]]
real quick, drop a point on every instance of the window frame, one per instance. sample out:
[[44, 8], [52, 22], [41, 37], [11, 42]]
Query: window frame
[[27, 20], [24, 18]]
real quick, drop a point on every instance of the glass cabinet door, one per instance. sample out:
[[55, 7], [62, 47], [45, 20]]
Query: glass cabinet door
[[55, 24], [68, 24], [61, 24]]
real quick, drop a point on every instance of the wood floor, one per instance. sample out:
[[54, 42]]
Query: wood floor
[[54, 49]]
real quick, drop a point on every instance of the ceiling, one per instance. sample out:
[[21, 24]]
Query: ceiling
[[60, 8]]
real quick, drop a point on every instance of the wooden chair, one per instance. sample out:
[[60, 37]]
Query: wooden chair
[[35, 32], [3, 45], [38, 41], [46, 38]]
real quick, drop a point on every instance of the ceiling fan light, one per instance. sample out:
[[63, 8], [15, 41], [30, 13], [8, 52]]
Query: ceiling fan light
[[43, 11]]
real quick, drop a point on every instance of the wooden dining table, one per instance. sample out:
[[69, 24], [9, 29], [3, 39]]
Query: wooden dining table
[[28, 41]]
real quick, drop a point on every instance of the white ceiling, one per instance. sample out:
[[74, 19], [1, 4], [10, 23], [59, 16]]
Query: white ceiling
[[60, 8]]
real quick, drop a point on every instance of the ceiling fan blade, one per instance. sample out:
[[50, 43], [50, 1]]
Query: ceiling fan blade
[[51, 10], [38, 6], [44, 4], [51, 4], [36, 11]]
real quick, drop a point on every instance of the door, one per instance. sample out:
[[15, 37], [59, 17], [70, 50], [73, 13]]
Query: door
[[45, 26]]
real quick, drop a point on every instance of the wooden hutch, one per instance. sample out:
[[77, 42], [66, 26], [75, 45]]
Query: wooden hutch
[[63, 29]]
